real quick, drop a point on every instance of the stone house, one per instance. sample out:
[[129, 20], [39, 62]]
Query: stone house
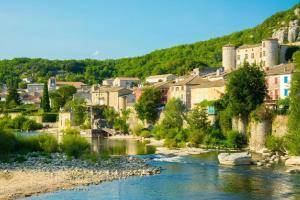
[[117, 97], [108, 82], [160, 78], [278, 81], [34, 88], [182, 89], [126, 82], [209, 90]]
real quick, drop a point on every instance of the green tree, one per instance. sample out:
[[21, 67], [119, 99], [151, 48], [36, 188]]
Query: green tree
[[79, 109], [174, 114], [293, 136], [60, 97], [246, 89], [13, 97], [45, 102], [198, 118], [148, 104]]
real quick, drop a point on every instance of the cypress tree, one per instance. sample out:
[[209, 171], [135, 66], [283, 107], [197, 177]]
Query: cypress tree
[[13, 95], [45, 102]]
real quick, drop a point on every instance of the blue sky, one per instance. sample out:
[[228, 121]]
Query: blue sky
[[100, 29]]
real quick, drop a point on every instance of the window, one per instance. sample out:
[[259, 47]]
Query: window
[[252, 55], [276, 80], [238, 57], [260, 54], [286, 79], [177, 88], [286, 92], [246, 56], [264, 53]]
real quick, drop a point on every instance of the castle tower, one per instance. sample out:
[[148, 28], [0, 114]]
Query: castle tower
[[229, 57], [52, 84], [271, 49]]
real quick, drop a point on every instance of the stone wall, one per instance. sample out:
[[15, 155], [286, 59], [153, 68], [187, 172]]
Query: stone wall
[[279, 125], [258, 133]]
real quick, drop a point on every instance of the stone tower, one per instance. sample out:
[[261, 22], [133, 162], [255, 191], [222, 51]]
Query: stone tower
[[229, 57], [52, 84], [271, 48]]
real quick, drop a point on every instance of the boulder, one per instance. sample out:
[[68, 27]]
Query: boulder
[[292, 161], [243, 158]]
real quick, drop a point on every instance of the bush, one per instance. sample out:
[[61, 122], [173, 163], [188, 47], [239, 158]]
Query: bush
[[30, 125], [71, 131], [7, 142], [145, 134], [224, 118], [292, 143], [49, 117], [195, 136], [275, 143], [74, 145], [27, 144], [137, 129], [47, 143], [235, 139]]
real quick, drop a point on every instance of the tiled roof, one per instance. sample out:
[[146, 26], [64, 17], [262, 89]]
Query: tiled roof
[[75, 84], [209, 84], [110, 89], [246, 46], [128, 78], [191, 80], [162, 84], [280, 69], [159, 76]]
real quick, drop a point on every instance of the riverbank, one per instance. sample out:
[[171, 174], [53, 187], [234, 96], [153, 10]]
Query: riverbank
[[41, 174]]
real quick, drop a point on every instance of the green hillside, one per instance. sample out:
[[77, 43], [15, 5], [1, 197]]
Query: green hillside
[[178, 60]]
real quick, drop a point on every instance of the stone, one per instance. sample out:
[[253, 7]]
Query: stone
[[292, 161], [268, 165], [259, 164], [243, 158], [293, 170]]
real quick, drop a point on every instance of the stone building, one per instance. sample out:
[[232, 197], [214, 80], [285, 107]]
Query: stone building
[[117, 97], [209, 90], [182, 89], [126, 82], [267, 54]]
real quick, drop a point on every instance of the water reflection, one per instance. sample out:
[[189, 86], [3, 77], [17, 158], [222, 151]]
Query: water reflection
[[120, 146]]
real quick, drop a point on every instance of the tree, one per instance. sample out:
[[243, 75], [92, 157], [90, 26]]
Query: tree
[[198, 119], [174, 114], [78, 108], [61, 96], [246, 89], [45, 103], [148, 104], [293, 136], [13, 97]]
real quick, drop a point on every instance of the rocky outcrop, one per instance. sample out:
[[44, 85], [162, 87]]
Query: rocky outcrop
[[293, 161], [290, 33], [243, 158]]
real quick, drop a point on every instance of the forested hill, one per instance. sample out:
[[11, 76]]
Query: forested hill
[[177, 60]]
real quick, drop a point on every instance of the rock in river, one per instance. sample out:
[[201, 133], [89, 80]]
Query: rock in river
[[292, 161], [243, 158]]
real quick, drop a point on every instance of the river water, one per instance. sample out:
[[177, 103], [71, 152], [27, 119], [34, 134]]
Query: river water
[[188, 177]]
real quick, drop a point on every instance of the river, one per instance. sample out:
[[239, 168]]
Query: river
[[188, 177]]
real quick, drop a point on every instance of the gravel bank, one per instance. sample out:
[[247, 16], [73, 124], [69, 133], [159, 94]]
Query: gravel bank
[[40, 174]]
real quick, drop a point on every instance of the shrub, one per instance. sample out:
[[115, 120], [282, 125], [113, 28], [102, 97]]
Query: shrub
[[47, 143], [137, 129], [71, 131], [7, 142], [195, 136], [145, 134], [235, 139], [30, 125], [27, 144], [274, 143], [49, 117], [74, 145], [292, 143], [224, 118]]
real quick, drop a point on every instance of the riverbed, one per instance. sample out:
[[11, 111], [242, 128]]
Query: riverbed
[[191, 177]]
